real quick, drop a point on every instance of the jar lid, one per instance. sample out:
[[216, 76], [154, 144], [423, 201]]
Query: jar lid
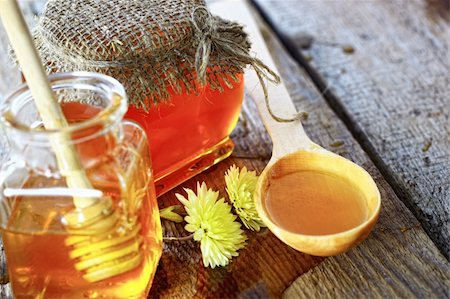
[[115, 30], [149, 46]]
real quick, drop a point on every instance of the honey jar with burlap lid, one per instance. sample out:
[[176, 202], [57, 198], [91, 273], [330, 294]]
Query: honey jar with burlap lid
[[182, 69]]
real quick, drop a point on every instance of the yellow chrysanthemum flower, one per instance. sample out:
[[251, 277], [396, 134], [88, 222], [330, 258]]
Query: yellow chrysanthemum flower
[[213, 225], [240, 188]]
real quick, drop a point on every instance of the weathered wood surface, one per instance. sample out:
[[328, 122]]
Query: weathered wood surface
[[393, 261], [389, 80], [397, 259]]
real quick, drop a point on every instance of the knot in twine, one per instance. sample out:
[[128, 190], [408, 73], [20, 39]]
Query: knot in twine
[[206, 27]]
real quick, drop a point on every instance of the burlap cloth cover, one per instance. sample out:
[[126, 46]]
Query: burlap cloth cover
[[148, 45]]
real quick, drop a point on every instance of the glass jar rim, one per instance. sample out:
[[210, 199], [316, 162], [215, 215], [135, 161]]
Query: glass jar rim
[[113, 112]]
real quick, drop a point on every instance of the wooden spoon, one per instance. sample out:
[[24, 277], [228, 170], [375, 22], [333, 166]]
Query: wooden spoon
[[293, 152]]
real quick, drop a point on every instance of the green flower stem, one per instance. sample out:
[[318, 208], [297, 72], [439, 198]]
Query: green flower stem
[[185, 238]]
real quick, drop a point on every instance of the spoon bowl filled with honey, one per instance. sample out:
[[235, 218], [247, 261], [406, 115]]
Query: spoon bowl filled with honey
[[317, 202], [312, 199]]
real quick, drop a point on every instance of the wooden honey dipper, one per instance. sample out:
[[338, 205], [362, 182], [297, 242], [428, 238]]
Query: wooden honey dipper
[[100, 243]]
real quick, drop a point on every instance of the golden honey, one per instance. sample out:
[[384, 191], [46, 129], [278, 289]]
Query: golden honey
[[39, 264], [315, 203], [50, 253]]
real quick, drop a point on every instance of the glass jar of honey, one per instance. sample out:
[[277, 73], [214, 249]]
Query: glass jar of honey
[[64, 242], [182, 69]]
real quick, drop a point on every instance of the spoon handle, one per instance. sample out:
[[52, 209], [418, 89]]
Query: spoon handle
[[287, 137]]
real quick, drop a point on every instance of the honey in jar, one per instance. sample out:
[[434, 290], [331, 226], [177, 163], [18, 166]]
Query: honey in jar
[[191, 132], [181, 67], [55, 247]]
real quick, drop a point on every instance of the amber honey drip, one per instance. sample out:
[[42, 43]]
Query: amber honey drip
[[314, 203], [35, 239]]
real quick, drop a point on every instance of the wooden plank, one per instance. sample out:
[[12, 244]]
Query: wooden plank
[[390, 242], [398, 257], [391, 85]]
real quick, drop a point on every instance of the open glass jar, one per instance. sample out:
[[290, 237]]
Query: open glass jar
[[60, 241]]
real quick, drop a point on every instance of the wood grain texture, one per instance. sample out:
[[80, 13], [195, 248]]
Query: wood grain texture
[[387, 66], [397, 258]]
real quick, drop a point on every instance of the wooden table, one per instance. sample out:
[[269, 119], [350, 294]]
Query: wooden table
[[374, 77]]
